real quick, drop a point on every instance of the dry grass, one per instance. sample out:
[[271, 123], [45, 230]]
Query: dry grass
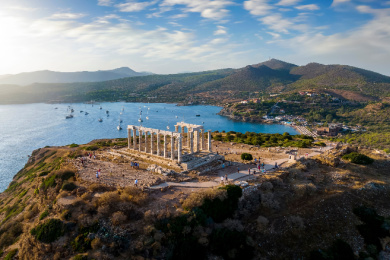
[[197, 199], [118, 218]]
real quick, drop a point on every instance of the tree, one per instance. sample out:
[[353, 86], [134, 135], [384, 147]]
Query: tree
[[246, 157]]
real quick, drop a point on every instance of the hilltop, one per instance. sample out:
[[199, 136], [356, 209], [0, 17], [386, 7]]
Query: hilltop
[[316, 208]]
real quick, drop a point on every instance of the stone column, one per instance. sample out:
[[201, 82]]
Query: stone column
[[182, 135], [165, 146], [151, 142], [176, 128], [209, 140], [172, 147], [179, 149], [191, 138], [196, 140], [134, 138], [140, 139], [129, 138], [146, 141], [158, 143], [202, 139]]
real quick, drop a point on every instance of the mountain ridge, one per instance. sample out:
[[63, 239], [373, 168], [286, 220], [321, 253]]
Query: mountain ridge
[[211, 87], [48, 76]]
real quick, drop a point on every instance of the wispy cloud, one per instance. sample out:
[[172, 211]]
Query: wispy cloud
[[178, 16], [215, 10], [221, 30], [367, 46], [310, 7], [288, 2], [258, 7], [105, 2], [337, 2], [277, 23], [69, 16], [134, 6]]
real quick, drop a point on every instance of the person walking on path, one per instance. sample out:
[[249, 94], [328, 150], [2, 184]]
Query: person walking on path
[[136, 182], [97, 175], [221, 179], [249, 171], [226, 178], [276, 165], [238, 170]]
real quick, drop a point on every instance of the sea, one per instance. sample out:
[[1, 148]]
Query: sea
[[26, 127]]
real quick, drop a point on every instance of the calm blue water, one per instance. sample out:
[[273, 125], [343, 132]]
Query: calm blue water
[[24, 128]]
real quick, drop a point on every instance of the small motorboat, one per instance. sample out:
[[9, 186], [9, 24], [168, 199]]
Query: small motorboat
[[81, 111], [100, 120], [86, 113], [197, 115], [69, 116], [119, 127]]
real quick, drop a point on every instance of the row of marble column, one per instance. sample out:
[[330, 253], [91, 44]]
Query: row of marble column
[[175, 137]]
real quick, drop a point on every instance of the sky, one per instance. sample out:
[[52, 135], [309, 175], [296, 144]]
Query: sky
[[173, 36]]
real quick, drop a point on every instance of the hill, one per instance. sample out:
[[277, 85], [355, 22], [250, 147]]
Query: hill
[[56, 209], [47, 76], [214, 87]]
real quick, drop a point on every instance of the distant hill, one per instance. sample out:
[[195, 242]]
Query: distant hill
[[214, 87], [47, 76]]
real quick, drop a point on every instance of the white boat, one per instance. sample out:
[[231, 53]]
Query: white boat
[[140, 120], [86, 113], [119, 127], [100, 120], [69, 116]]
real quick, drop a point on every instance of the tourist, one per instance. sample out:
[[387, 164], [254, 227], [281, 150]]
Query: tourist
[[223, 166], [226, 178], [97, 175], [221, 179], [136, 182], [276, 165], [238, 170], [249, 171]]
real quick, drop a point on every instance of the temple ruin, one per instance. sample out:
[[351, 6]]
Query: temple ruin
[[185, 147]]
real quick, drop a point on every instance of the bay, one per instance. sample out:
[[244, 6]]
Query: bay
[[24, 128]]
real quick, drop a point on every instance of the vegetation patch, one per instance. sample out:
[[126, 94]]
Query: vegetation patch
[[49, 231], [69, 186], [44, 215], [246, 157], [358, 158], [48, 182], [11, 254]]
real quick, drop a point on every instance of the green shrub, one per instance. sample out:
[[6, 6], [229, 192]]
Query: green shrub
[[49, 231], [73, 145], [80, 257], [44, 173], [219, 209], [44, 215], [246, 157], [81, 243], [92, 148], [66, 175], [387, 150], [358, 158], [11, 254], [69, 186], [48, 182]]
